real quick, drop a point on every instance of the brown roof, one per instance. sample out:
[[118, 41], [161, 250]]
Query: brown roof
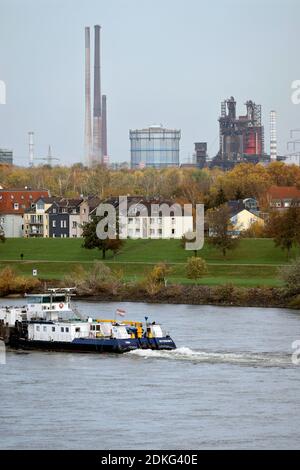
[[284, 192], [23, 197]]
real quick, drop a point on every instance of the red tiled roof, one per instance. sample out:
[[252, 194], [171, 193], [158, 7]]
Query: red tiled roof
[[23, 197], [284, 192]]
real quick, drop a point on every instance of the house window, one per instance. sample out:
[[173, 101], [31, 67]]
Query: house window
[[74, 224], [54, 211], [16, 206], [54, 223], [173, 231]]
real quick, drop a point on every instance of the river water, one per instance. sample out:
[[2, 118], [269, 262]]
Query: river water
[[230, 385]]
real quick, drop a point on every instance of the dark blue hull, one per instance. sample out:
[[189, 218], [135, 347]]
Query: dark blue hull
[[89, 345], [117, 346], [157, 343]]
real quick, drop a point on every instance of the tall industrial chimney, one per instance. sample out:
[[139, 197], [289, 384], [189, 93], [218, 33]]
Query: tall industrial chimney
[[104, 126], [31, 148], [88, 116], [97, 120], [273, 136]]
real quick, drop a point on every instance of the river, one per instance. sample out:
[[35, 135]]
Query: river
[[231, 384]]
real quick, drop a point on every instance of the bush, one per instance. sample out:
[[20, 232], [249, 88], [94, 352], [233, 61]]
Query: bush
[[156, 279], [196, 268], [290, 275], [99, 279], [12, 283]]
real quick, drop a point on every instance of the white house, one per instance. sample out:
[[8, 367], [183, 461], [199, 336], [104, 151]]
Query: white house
[[141, 220], [243, 220]]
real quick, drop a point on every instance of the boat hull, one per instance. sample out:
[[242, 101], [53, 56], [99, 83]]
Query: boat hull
[[98, 346], [116, 346]]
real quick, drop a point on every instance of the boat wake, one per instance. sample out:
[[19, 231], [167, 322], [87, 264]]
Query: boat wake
[[243, 359]]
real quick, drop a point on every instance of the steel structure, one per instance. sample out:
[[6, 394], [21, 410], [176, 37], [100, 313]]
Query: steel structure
[[241, 137], [273, 136]]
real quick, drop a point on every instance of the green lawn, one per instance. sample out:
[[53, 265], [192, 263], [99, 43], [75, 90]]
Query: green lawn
[[250, 251], [253, 263]]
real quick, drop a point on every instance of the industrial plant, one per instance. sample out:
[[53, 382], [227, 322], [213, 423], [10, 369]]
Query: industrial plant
[[95, 140], [241, 137]]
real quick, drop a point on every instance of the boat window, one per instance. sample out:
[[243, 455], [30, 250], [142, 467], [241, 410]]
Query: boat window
[[67, 330], [35, 300], [44, 328], [53, 329], [62, 329], [77, 330], [59, 299], [98, 328], [37, 328]]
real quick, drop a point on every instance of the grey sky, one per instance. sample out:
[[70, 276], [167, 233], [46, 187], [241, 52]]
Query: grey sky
[[164, 61]]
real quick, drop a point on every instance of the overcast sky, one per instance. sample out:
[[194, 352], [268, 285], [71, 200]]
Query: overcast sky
[[163, 61]]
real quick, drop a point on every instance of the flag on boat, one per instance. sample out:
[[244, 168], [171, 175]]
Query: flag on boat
[[121, 312]]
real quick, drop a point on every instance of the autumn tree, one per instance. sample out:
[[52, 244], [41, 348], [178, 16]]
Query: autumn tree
[[219, 228], [284, 228], [92, 241], [196, 268]]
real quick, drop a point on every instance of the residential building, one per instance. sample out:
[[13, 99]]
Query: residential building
[[282, 197], [13, 205], [243, 220], [36, 218], [142, 221], [154, 147], [64, 219], [87, 209]]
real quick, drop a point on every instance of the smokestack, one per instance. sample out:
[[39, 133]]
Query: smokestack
[[273, 136], [88, 123], [97, 128], [104, 126], [31, 148]]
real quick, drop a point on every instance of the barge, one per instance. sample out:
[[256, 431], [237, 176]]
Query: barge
[[50, 322]]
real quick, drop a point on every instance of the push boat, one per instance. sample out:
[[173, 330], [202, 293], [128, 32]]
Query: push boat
[[51, 322]]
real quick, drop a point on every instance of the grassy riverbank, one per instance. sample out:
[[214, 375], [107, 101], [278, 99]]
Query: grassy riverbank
[[254, 263]]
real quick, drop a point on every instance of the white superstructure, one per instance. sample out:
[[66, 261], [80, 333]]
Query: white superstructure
[[47, 307]]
